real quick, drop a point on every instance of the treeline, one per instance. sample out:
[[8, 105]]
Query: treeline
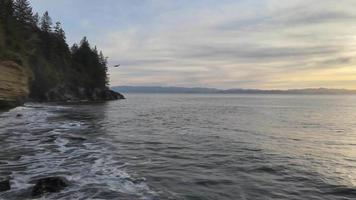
[[39, 45]]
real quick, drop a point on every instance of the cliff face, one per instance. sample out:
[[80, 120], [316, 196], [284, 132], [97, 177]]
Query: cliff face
[[58, 72], [14, 84]]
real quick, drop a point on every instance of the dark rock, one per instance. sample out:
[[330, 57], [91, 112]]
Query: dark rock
[[5, 185], [48, 185], [109, 95], [80, 139], [70, 93], [116, 95]]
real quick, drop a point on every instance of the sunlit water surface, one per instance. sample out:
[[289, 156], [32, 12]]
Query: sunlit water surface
[[216, 147]]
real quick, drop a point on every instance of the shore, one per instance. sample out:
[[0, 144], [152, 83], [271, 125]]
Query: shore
[[15, 83]]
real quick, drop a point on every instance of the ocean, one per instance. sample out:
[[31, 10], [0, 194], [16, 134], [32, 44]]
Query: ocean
[[185, 147]]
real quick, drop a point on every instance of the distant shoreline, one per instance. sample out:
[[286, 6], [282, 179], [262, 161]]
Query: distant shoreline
[[198, 90]]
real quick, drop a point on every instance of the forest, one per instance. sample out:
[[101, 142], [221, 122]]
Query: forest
[[38, 44]]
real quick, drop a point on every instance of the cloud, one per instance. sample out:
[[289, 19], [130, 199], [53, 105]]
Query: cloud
[[228, 43]]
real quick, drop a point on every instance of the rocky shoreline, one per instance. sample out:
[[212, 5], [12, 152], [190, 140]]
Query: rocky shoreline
[[67, 93], [15, 83]]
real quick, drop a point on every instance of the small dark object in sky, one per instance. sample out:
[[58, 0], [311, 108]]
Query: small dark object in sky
[[5, 185], [117, 65], [48, 185]]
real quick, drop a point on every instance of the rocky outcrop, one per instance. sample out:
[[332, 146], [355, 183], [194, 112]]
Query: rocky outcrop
[[48, 185], [14, 89], [70, 93], [5, 185], [14, 84]]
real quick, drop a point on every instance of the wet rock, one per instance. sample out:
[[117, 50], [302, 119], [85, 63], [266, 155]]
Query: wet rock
[[48, 185], [112, 95], [5, 185], [72, 94], [74, 138]]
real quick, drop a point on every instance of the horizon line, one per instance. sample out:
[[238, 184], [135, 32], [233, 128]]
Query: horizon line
[[213, 88]]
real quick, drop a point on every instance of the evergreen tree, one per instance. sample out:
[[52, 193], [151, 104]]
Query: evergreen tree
[[59, 31], [46, 23], [102, 59], [84, 44], [23, 11], [6, 8], [103, 62], [36, 20], [2, 37], [6, 13], [74, 49], [33, 43]]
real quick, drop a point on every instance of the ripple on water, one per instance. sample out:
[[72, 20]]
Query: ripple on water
[[42, 146], [185, 147]]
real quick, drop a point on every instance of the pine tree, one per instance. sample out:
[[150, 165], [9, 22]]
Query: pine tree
[[33, 42], [58, 30], [36, 20], [2, 37], [6, 8], [74, 49], [6, 12], [103, 62], [102, 59], [46, 23], [84, 43], [23, 11]]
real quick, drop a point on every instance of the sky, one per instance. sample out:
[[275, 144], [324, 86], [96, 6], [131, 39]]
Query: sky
[[264, 44]]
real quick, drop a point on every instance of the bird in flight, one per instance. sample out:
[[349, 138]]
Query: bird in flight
[[117, 65]]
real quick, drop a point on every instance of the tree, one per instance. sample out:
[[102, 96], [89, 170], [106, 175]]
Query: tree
[[46, 23], [103, 62], [103, 59], [39, 46], [23, 11], [6, 8], [2, 37], [84, 44], [6, 12], [59, 31], [92, 63], [74, 49], [36, 20]]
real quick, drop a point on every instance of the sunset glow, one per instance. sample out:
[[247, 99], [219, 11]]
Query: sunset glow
[[264, 44]]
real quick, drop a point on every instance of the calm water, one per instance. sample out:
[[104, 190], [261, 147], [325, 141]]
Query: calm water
[[196, 147]]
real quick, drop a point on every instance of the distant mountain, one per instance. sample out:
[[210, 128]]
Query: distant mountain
[[292, 91], [199, 90], [159, 89]]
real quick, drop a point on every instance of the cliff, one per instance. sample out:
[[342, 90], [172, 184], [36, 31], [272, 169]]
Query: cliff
[[47, 68], [14, 84]]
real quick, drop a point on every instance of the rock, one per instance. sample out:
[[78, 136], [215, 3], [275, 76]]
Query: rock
[[112, 95], [73, 94], [48, 185], [5, 185], [107, 95], [14, 84]]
